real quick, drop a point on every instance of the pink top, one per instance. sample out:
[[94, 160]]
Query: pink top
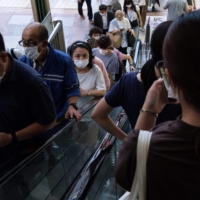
[[100, 64], [120, 55]]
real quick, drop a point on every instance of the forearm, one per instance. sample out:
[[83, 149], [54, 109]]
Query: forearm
[[145, 121], [108, 125], [130, 60], [96, 93], [72, 99], [33, 130], [194, 3]]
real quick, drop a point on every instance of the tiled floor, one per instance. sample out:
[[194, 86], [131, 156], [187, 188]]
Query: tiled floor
[[16, 14]]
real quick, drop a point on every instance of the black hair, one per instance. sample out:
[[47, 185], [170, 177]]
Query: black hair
[[128, 2], [2, 45], [104, 42], [95, 29], [81, 44], [148, 75], [182, 56], [103, 7]]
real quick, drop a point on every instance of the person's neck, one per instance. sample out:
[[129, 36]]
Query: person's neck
[[189, 114], [109, 51], [43, 56], [82, 71]]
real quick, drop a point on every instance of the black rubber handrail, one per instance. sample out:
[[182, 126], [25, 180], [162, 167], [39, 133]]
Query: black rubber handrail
[[80, 188]]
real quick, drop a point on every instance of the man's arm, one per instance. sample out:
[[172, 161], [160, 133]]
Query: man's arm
[[165, 6], [71, 90], [71, 111], [100, 115], [95, 19], [28, 132]]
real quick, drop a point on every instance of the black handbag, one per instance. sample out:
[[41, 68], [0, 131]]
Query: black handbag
[[134, 23], [130, 39]]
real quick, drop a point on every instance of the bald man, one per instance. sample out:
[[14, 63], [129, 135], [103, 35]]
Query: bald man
[[55, 66]]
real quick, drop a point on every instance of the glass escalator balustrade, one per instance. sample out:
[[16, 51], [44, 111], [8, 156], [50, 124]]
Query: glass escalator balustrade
[[53, 169]]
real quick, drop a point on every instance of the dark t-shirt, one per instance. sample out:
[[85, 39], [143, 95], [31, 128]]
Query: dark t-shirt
[[24, 98], [172, 164], [128, 92]]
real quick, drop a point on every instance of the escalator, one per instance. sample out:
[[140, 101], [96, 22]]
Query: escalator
[[53, 171]]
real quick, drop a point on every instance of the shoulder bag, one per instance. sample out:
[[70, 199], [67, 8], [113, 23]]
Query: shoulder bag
[[130, 39], [116, 39], [138, 190]]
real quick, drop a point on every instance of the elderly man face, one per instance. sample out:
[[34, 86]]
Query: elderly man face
[[34, 40]]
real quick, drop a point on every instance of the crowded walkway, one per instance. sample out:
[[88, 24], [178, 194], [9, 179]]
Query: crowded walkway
[[16, 14]]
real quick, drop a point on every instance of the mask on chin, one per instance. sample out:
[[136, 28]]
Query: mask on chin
[[81, 63], [102, 14], [103, 52], [96, 38], [128, 6]]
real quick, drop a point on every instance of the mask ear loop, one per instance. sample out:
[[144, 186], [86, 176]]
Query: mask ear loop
[[4, 72]]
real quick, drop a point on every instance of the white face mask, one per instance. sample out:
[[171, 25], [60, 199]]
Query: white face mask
[[128, 6], [1, 77], [32, 52], [81, 63], [103, 52], [102, 14], [96, 38]]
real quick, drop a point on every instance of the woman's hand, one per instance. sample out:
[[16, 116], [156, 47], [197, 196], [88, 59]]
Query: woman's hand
[[116, 31], [132, 32], [156, 97], [132, 68]]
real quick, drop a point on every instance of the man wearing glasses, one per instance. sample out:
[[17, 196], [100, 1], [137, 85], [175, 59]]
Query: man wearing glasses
[[55, 66], [26, 105]]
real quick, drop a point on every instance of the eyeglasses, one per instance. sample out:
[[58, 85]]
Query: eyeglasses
[[160, 64], [27, 44]]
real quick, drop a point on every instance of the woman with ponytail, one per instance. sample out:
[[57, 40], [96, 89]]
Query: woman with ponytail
[[130, 91]]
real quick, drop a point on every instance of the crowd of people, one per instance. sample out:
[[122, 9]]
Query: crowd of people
[[43, 86]]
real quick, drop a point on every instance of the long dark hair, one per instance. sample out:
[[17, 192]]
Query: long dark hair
[[148, 75], [181, 54], [128, 2], [81, 44]]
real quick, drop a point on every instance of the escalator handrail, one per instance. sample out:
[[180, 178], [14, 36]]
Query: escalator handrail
[[94, 164], [137, 49], [59, 130]]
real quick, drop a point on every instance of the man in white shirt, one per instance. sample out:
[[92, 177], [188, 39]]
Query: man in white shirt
[[102, 18]]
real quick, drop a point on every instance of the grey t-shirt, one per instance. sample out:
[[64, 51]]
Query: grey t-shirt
[[110, 61], [175, 8]]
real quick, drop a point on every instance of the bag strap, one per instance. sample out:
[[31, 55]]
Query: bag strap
[[139, 182]]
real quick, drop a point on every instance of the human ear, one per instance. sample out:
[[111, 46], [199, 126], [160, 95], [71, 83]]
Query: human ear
[[172, 82]]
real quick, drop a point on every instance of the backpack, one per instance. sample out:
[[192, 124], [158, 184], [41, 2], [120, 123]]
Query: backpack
[[116, 6]]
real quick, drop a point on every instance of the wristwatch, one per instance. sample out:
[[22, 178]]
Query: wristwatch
[[131, 65], [14, 138], [74, 105]]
